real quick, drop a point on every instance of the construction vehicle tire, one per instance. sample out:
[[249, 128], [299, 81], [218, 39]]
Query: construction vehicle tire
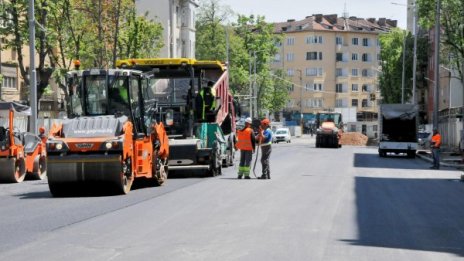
[[40, 168], [160, 172], [13, 170], [215, 167], [125, 180]]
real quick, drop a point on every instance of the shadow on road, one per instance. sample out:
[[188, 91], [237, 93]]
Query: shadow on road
[[35, 195], [415, 214], [366, 160]]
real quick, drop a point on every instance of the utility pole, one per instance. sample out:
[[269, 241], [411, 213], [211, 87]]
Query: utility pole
[[255, 87], [301, 98], [414, 62], [403, 71], [251, 86], [437, 67], [32, 70]]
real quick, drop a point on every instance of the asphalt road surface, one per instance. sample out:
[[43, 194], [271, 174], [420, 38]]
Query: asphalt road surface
[[321, 204]]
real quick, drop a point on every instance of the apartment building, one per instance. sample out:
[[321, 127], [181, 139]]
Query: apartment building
[[12, 86], [178, 20], [332, 61]]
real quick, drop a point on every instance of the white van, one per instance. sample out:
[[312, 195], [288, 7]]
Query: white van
[[282, 134]]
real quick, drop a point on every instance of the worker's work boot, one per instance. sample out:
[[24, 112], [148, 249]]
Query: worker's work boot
[[239, 177], [247, 177]]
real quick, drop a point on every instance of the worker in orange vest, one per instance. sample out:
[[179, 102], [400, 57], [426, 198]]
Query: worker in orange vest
[[436, 143], [246, 145]]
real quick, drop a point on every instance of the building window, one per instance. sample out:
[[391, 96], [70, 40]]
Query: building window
[[354, 87], [354, 72], [339, 57], [366, 42], [320, 56], [311, 71], [314, 39], [290, 41], [365, 88], [354, 56], [338, 88], [318, 87], [354, 103], [291, 88], [339, 72], [366, 57], [277, 58], [308, 87], [340, 103], [375, 128], [354, 41], [290, 72], [9, 82], [338, 40], [290, 57], [364, 103], [365, 73], [320, 71]]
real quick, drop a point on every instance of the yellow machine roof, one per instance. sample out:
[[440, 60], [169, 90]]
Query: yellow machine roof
[[160, 62]]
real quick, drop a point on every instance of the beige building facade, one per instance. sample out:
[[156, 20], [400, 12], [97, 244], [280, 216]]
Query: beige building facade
[[332, 61], [178, 20], [12, 86]]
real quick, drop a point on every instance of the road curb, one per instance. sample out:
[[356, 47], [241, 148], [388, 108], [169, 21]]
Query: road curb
[[429, 159]]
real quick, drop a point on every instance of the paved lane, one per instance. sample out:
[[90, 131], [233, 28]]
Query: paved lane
[[321, 204]]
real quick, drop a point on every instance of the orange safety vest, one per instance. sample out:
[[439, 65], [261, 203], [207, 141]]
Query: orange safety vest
[[436, 140], [244, 139]]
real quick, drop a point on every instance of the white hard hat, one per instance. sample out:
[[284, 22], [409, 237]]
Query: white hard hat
[[248, 120]]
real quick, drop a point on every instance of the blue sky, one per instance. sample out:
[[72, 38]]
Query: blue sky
[[281, 10]]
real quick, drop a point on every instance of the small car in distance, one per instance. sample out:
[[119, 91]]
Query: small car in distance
[[282, 134]]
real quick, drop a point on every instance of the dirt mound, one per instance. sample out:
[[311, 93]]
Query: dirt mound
[[354, 139]]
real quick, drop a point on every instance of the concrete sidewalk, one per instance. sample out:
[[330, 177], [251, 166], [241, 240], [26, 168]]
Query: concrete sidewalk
[[447, 158]]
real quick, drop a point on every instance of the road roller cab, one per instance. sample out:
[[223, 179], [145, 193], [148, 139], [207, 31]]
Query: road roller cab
[[21, 153], [110, 137]]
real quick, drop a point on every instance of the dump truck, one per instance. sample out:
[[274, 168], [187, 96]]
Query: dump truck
[[22, 153], [329, 129], [197, 108], [110, 136], [398, 125]]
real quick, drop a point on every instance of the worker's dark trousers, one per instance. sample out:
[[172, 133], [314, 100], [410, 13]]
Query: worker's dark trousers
[[265, 155], [436, 157], [245, 162]]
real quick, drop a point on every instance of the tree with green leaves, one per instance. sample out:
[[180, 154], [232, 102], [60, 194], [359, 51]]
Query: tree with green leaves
[[260, 41], [452, 25], [390, 79], [87, 30]]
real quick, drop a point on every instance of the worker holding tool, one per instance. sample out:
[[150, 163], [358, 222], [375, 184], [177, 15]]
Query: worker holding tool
[[265, 141], [246, 145]]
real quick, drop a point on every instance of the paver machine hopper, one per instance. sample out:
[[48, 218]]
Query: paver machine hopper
[[198, 108]]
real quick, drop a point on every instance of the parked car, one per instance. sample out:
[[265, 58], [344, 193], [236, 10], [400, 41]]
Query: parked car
[[423, 140], [282, 134]]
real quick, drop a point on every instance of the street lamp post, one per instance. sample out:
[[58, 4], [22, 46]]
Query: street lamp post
[[301, 98], [32, 71], [251, 87], [403, 71], [414, 62], [437, 66]]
